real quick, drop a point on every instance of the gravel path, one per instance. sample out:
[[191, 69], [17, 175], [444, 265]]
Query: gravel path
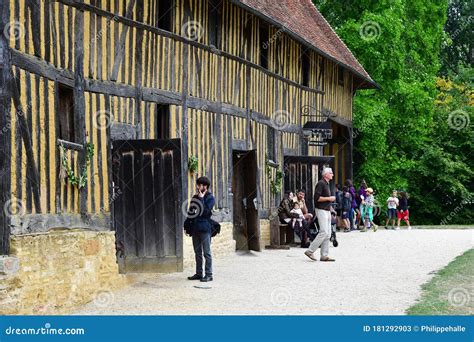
[[375, 274]]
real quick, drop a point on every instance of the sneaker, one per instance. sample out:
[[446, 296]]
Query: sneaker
[[409, 227], [363, 230], [375, 228], [398, 228], [310, 255], [347, 230]]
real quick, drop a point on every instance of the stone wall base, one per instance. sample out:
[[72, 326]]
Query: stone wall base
[[224, 243], [58, 270], [53, 272]]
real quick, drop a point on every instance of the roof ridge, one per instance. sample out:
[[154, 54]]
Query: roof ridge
[[302, 20]]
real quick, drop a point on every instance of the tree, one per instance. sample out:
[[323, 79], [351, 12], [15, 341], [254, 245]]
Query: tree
[[402, 137], [457, 50]]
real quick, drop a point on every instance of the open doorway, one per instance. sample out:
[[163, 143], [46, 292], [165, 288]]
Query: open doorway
[[245, 207]]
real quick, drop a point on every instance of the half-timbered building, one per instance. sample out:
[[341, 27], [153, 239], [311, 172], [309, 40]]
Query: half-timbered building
[[110, 109]]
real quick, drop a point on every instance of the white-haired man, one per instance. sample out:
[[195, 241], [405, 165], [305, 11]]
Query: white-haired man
[[322, 203]]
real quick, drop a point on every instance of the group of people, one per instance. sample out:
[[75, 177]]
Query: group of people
[[350, 207], [294, 212], [354, 208]]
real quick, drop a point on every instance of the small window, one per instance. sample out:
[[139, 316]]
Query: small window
[[165, 13], [66, 113], [264, 45], [163, 122], [340, 75], [305, 68], [271, 144], [214, 16]]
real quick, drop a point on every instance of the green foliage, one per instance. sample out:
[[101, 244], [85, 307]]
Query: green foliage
[[276, 181], [193, 164], [457, 41], [80, 180], [402, 136]]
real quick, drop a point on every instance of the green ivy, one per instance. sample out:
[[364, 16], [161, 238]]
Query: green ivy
[[193, 164], [275, 181], [80, 180]]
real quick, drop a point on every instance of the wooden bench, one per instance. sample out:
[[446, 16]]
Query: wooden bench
[[281, 235]]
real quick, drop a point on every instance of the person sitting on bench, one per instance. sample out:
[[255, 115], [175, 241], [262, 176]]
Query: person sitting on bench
[[284, 210]]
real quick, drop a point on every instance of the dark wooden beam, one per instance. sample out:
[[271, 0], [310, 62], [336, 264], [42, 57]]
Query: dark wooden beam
[[33, 174], [5, 128], [184, 132], [34, 7], [79, 99], [176, 37], [120, 44], [249, 135], [40, 67]]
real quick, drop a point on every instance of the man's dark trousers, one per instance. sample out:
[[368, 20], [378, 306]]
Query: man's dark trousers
[[202, 245]]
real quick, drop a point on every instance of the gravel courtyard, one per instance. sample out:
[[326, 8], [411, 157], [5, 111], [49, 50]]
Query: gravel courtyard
[[374, 273]]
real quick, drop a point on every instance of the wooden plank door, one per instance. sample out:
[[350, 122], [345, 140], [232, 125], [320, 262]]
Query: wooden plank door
[[245, 207], [147, 197]]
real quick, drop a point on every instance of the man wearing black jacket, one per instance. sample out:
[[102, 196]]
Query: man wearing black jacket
[[201, 212]]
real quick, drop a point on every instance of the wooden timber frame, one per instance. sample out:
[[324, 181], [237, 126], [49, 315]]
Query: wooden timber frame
[[5, 137], [121, 66]]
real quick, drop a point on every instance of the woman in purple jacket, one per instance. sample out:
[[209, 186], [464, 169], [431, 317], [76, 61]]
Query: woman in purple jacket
[[352, 191]]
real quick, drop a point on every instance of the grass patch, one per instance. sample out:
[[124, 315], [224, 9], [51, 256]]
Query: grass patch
[[451, 291], [453, 226]]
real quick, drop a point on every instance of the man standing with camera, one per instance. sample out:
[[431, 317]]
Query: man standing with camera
[[201, 228], [322, 203]]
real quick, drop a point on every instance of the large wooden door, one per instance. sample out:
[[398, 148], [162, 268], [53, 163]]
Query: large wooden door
[[147, 197], [245, 207], [303, 172]]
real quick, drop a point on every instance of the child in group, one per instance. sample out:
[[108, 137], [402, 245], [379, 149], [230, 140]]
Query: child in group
[[368, 210], [346, 208], [392, 204], [403, 213], [297, 210]]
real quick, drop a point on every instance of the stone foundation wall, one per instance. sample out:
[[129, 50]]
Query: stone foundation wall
[[222, 244], [57, 271], [264, 233]]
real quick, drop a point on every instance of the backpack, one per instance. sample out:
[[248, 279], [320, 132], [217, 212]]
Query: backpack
[[216, 228], [339, 199], [346, 203]]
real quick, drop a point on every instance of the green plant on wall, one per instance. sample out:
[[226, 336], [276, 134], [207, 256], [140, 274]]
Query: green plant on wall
[[193, 164], [80, 180], [275, 180]]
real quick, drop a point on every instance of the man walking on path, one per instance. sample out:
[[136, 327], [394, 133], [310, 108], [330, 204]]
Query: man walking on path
[[322, 203], [201, 205]]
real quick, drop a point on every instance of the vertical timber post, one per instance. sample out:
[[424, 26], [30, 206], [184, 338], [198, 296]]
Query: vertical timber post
[[78, 92], [5, 127]]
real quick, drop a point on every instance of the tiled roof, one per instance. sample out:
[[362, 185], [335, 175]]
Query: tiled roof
[[301, 18]]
